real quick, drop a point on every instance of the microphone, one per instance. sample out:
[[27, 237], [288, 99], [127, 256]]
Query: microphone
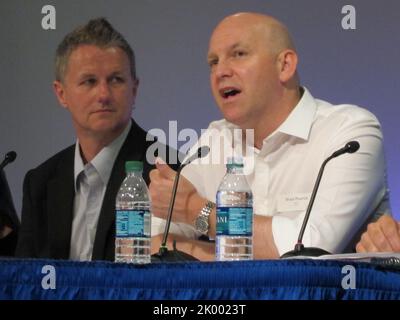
[[350, 147], [10, 157], [299, 249], [164, 254]]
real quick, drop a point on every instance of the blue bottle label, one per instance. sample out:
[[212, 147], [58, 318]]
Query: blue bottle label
[[234, 221], [133, 223]]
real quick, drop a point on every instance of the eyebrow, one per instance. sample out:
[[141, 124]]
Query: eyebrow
[[86, 75], [234, 46], [90, 74]]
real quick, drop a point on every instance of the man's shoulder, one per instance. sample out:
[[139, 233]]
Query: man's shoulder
[[139, 137], [345, 110], [143, 145], [48, 167]]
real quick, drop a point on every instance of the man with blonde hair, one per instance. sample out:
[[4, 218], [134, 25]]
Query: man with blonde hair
[[69, 201]]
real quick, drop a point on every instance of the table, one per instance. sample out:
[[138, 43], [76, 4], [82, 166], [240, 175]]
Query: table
[[241, 280]]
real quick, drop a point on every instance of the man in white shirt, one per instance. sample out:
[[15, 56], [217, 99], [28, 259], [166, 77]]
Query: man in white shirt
[[253, 75]]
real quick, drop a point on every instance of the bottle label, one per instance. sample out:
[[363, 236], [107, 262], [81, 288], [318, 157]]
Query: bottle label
[[234, 221], [133, 223]]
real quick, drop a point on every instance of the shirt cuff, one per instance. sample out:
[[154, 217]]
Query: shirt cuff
[[183, 229]]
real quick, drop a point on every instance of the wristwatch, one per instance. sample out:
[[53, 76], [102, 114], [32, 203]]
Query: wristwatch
[[201, 223]]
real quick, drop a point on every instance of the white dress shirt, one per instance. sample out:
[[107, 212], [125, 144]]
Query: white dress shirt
[[91, 182], [282, 174]]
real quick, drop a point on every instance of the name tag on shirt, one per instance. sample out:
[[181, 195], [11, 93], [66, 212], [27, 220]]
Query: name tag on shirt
[[293, 202]]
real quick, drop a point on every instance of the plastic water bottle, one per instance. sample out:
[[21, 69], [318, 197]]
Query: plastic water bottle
[[234, 236], [133, 217]]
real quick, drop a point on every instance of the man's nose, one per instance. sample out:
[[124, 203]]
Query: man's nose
[[104, 93], [223, 69]]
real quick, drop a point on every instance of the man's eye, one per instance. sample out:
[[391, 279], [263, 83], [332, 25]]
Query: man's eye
[[89, 82], [213, 62], [117, 80], [239, 53]]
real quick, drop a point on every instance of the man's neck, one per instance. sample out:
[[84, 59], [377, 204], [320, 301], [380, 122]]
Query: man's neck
[[91, 145], [279, 113]]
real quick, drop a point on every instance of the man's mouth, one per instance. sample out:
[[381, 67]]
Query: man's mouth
[[103, 111], [229, 92]]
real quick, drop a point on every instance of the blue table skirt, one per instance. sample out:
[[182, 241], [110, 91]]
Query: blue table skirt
[[248, 280]]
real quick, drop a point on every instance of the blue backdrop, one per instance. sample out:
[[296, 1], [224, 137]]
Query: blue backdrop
[[170, 38]]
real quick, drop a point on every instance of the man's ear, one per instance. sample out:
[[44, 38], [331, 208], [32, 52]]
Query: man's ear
[[60, 93], [135, 87], [287, 63]]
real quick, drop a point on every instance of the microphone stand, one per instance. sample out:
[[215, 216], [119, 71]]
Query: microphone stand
[[299, 249], [10, 157], [165, 255], [8, 216]]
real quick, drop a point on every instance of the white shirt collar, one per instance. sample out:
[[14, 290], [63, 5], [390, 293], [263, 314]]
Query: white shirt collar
[[103, 162], [297, 124], [300, 120]]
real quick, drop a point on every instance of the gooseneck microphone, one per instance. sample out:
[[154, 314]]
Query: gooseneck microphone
[[299, 249], [175, 255], [10, 157]]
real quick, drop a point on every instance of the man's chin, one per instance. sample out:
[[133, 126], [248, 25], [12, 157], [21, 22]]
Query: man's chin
[[236, 119], [104, 128]]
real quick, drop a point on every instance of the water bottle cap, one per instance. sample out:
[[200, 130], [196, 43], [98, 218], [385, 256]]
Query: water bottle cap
[[234, 162], [131, 166]]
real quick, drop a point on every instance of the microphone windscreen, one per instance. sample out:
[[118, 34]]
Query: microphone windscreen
[[10, 156], [352, 146], [203, 151]]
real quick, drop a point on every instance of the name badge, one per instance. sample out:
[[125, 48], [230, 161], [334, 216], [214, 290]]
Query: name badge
[[293, 202]]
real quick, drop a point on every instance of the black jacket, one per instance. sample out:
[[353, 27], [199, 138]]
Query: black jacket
[[8, 217], [48, 198]]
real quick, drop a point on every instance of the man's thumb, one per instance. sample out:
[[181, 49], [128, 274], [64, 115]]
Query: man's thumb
[[165, 170]]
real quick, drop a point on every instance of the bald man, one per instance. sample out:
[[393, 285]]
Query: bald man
[[287, 134]]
